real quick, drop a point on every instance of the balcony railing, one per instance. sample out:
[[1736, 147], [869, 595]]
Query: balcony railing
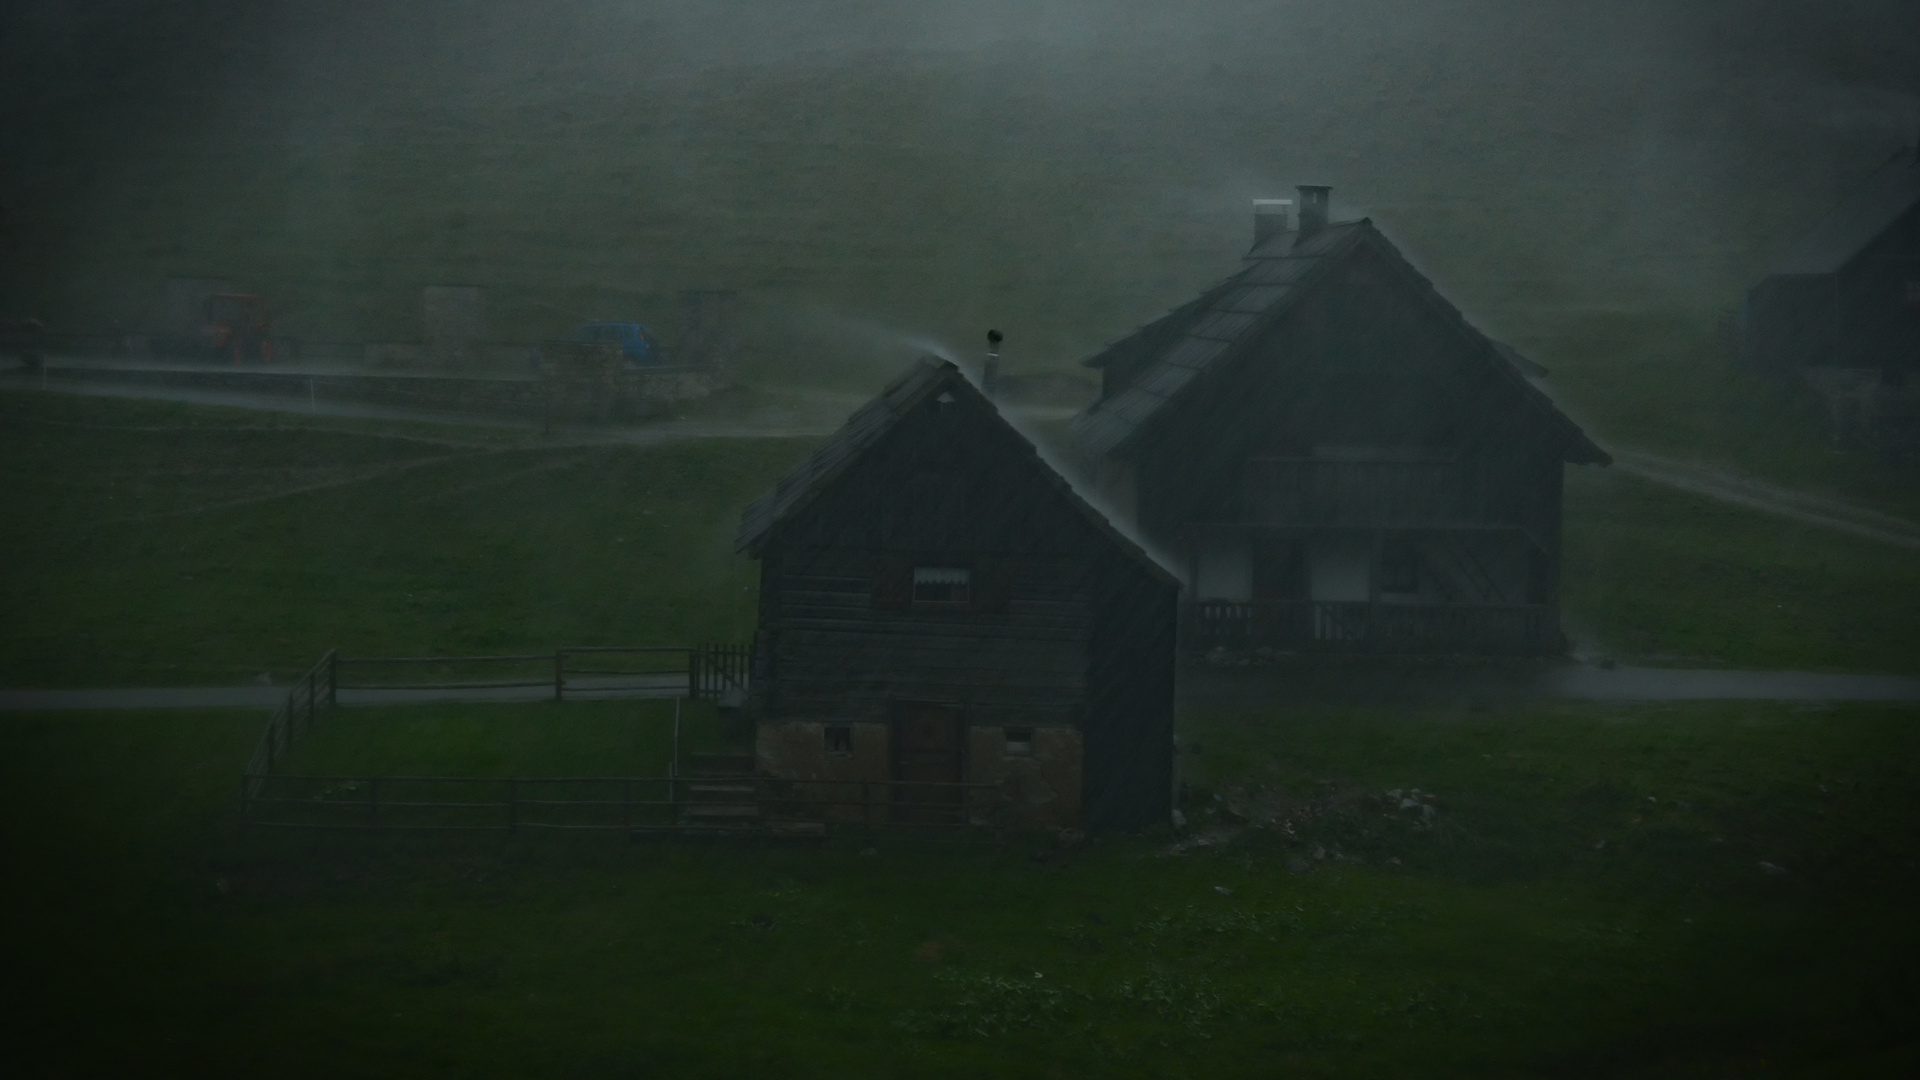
[[1358, 626]]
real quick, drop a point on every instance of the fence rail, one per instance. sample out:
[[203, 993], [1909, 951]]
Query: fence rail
[[701, 671], [507, 804], [716, 672], [293, 717]]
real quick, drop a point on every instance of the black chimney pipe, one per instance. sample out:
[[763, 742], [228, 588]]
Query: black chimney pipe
[[1313, 208], [990, 373]]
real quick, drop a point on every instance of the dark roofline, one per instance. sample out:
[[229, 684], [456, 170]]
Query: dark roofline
[[1877, 203], [901, 396], [1103, 355], [1347, 236]]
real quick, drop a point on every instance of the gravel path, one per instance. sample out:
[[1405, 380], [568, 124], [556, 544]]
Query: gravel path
[[267, 697], [1360, 684], [1387, 683]]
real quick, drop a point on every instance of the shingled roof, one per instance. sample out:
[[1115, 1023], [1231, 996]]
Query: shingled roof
[[870, 423], [1208, 333], [1870, 210]]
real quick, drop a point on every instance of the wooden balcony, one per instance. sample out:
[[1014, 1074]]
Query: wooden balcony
[[1360, 627]]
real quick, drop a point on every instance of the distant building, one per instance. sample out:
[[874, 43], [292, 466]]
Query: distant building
[[1340, 459], [1842, 310], [939, 607]]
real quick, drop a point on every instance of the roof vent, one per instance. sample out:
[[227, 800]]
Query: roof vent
[[1269, 218], [1313, 208]]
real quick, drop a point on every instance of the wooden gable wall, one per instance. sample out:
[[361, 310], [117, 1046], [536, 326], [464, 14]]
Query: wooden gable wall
[[1364, 359], [1066, 627]]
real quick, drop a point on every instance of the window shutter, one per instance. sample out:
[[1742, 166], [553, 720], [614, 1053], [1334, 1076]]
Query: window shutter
[[992, 585], [892, 583]]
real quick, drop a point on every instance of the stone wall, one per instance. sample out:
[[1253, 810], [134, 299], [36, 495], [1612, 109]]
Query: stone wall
[[1038, 790], [1044, 785]]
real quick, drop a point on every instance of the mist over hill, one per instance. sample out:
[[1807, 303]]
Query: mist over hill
[[1062, 170]]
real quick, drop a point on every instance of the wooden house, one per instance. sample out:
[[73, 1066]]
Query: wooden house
[[939, 608], [1841, 310], [1340, 460]]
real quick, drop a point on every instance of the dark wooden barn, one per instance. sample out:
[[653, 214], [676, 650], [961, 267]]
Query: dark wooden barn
[[939, 606], [1842, 310], [1340, 459]]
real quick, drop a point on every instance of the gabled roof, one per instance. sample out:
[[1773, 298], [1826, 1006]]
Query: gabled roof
[[871, 422], [1870, 210], [1206, 334]]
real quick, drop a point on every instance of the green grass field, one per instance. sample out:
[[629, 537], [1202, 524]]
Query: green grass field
[[159, 544], [1587, 899], [579, 738], [150, 543]]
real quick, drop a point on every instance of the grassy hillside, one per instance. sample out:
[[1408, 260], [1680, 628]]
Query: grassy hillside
[[152, 543], [167, 544], [1587, 899]]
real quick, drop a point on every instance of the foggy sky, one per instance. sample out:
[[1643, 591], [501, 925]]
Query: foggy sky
[[1066, 168]]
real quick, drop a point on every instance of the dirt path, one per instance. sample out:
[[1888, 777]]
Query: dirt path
[[1729, 487]]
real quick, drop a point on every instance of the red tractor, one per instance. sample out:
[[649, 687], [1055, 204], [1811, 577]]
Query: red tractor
[[238, 325]]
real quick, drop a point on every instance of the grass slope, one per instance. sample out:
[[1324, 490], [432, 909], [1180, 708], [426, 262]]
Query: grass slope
[[152, 543], [1502, 939], [579, 738], [1663, 577]]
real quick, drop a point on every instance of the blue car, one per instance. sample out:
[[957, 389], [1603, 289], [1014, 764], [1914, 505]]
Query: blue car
[[637, 343]]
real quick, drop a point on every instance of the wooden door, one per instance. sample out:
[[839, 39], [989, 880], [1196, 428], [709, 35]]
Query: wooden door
[[927, 742]]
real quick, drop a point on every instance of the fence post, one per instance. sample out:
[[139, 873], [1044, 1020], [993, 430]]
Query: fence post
[[333, 678], [313, 693], [559, 673]]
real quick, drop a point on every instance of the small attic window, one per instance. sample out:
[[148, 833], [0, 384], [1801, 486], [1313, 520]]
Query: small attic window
[[942, 585], [1019, 742], [944, 403]]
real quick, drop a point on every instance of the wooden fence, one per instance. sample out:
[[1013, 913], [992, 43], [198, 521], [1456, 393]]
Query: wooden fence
[[274, 799], [713, 672], [717, 672], [291, 719]]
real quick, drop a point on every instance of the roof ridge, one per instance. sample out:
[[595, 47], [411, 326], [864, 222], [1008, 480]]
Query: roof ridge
[[1221, 335], [847, 444]]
